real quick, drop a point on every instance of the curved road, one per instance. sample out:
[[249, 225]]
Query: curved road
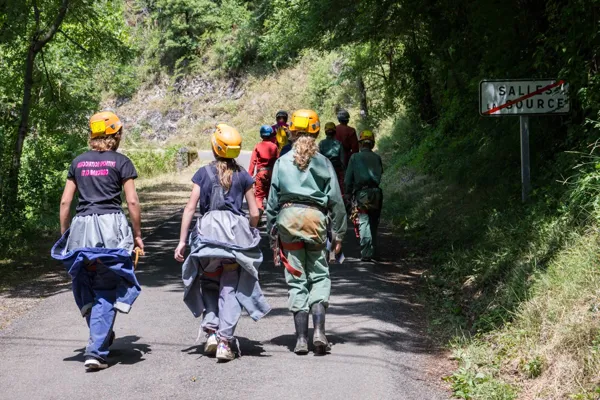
[[379, 346]]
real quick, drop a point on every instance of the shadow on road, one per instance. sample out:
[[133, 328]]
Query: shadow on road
[[251, 348], [125, 350]]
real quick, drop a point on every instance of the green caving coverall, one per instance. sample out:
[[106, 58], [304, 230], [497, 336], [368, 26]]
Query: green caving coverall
[[298, 204], [362, 180]]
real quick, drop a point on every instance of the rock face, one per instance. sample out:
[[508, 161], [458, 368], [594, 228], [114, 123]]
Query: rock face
[[170, 107]]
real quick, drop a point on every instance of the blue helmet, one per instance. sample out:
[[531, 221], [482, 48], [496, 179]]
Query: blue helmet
[[266, 131]]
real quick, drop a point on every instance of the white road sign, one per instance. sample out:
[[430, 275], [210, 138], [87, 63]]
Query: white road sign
[[533, 97]]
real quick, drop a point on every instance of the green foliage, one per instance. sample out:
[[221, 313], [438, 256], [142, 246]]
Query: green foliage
[[532, 368], [192, 33], [152, 162], [69, 78]]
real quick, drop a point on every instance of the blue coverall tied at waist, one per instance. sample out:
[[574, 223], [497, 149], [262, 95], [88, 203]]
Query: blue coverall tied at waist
[[103, 282]]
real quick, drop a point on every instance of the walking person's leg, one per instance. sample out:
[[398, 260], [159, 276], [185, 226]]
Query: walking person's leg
[[101, 318], [366, 238], [230, 310], [320, 290], [298, 294], [210, 320]]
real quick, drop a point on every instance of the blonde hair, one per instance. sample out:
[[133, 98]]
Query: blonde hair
[[305, 149], [225, 169], [105, 143]]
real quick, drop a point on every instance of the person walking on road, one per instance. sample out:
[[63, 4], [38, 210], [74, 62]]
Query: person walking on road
[[304, 190], [261, 166], [281, 131], [346, 135], [96, 246], [333, 150], [220, 275], [362, 180]]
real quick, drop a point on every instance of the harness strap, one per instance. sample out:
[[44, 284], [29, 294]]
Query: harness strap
[[296, 246], [219, 271]]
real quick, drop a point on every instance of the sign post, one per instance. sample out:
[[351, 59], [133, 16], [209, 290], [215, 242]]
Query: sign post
[[525, 165], [523, 98]]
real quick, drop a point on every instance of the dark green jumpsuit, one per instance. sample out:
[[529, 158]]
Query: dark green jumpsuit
[[362, 180], [291, 191]]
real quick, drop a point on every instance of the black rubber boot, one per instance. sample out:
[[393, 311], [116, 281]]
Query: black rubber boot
[[319, 339], [301, 322]]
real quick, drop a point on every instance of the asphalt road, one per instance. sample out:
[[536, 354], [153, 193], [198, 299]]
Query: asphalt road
[[379, 347]]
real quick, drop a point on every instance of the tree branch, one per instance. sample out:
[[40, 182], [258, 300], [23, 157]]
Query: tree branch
[[62, 11], [73, 41], [36, 13], [48, 77]]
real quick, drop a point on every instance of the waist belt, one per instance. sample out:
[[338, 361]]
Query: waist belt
[[374, 186], [264, 169], [217, 273], [305, 205], [296, 246]]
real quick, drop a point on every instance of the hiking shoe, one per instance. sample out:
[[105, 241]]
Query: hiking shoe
[[93, 364], [210, 347], [224, 352]]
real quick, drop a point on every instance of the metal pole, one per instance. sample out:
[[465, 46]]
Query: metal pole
[[525, 165]]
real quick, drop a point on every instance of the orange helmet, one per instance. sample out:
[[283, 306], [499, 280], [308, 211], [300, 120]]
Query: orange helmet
[[105, 123], [226, 141], [367, 135], [305, 121]]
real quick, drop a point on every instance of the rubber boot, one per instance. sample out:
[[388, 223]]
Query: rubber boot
[[301, 322], [319, 339]]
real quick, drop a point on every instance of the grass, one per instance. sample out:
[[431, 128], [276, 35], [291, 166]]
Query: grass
[[513, 289], [184, 113]]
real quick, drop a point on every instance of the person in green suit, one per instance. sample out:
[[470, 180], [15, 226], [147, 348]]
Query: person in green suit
[[334, 151], [362, 180], [304, 190]]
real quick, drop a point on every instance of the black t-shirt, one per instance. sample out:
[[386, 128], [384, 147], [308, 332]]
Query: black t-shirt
[[234, 198], [99, 176]]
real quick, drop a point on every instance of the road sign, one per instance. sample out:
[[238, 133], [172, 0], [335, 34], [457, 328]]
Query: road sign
[[523, 97]]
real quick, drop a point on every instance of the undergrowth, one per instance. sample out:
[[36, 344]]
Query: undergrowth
[[514, 288]]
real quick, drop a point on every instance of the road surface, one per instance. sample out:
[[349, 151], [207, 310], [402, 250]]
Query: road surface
[[379, 347]]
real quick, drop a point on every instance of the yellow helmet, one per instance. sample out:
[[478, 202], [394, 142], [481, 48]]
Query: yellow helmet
[[305, 121], [105, 123], [226, 141], [367, 135], [330, 126]]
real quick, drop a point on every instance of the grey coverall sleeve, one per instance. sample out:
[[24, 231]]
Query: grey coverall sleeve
[[273, 200], [336, 205]]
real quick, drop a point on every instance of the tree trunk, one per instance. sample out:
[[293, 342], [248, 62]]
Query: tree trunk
[[39, 40], [362, 93]]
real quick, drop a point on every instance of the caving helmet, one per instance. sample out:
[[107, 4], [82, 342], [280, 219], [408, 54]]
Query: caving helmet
[[104, 123], [305, 121], [282, 114], [367, 136], [226, 141], [266, 131], [343, 116], [330, 126]]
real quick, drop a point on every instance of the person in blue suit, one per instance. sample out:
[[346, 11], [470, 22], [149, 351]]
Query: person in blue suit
[[96, 245]]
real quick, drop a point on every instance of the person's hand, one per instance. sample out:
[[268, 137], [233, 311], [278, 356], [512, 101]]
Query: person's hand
[[338, 248], [139, 242], [179, 252]]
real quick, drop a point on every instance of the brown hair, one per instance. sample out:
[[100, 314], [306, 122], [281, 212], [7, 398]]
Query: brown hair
[[105, 143], [305, 149], [225, 169]]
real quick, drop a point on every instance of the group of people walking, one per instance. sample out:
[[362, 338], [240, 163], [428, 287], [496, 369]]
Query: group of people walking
[[304, 189]]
